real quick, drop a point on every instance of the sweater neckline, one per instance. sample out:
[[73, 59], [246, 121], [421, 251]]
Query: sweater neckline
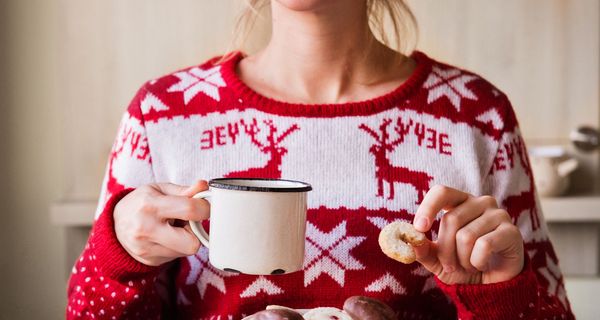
[[249, 98]]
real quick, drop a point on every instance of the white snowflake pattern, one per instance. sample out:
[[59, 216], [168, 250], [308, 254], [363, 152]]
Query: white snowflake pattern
[[531, 253], [491, 117], [198, 80], [261, 284], [150, 102], [450, 83], [381, 222], [203, 274], [421, 272], [429, 283], [329, 253], [387, 281]]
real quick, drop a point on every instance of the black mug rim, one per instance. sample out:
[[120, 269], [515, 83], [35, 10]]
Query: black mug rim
[[221, 183]]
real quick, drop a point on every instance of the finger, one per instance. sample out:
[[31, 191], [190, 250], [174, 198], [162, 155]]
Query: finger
[[199, 186], [467, 235], [161, 252], [180, 240], [427, 256], [364, 308], [506, 237], [182, 208], [451, 223], [437, 198], [154, 254], [170, 189]]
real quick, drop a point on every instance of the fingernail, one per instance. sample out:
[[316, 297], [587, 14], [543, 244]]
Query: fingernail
[[421, 223], [449, 268]]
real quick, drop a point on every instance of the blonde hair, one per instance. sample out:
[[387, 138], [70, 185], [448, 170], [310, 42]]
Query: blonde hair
[[382, 14]]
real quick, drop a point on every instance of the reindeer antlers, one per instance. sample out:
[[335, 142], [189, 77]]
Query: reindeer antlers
[[252, 129], [400, 128], [386, 122], [369, 131], [383, 128], [287, 132]]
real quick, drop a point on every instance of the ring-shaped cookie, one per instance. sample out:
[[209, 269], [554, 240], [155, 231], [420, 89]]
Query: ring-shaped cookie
[[397, 240]]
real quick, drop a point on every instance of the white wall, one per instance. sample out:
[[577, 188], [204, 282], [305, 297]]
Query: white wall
[[3, 147], [32, 248]]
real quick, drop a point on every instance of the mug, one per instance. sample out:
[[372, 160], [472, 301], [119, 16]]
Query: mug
[[257, 226]]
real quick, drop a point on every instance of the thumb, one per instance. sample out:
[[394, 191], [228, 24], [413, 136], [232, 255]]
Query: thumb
[[427, 256], [171, 189]]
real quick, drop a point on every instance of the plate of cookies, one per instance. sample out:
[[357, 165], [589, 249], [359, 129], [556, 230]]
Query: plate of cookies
[[354, 308]]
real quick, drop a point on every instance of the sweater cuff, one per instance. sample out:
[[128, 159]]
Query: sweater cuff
[[111, 258], [510, 299]]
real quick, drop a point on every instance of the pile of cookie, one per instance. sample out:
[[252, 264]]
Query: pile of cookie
[[355, 308], [323, 313]]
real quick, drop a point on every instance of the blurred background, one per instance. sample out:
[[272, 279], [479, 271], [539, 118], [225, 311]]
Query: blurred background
[[69, 68]]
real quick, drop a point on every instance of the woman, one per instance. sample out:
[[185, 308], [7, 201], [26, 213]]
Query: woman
[[381, 136]]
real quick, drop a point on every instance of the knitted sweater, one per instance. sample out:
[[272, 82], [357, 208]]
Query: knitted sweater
[[369, 163]]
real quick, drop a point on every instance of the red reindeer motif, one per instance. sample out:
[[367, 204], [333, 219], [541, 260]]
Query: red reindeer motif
[[524, 201], [385, 171], [272, 147]]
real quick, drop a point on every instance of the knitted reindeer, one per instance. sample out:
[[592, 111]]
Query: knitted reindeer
[[387, 172], [524, 201], [272, 147]]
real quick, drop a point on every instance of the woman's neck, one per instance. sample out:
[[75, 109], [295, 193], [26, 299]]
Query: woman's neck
[[322, 55]]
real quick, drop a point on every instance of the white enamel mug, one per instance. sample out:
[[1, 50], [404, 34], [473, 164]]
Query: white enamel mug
[[257, 226]]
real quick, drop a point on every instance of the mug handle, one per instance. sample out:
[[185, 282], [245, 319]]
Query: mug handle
[[196, 226]]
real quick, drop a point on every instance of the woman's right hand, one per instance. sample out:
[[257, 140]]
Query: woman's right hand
[[148, 221]]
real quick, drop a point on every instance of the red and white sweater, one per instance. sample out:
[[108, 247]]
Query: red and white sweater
[[442, 126]]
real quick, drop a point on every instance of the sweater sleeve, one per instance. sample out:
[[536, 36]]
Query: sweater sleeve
[[106, 282], [538, 291]]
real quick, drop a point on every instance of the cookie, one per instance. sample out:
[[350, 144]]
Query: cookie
[[396, 239], [276, 313], [326, 314], [276, 307], [365, 308]]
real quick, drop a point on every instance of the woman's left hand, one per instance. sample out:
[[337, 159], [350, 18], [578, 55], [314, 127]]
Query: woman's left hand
[[477, 242]]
